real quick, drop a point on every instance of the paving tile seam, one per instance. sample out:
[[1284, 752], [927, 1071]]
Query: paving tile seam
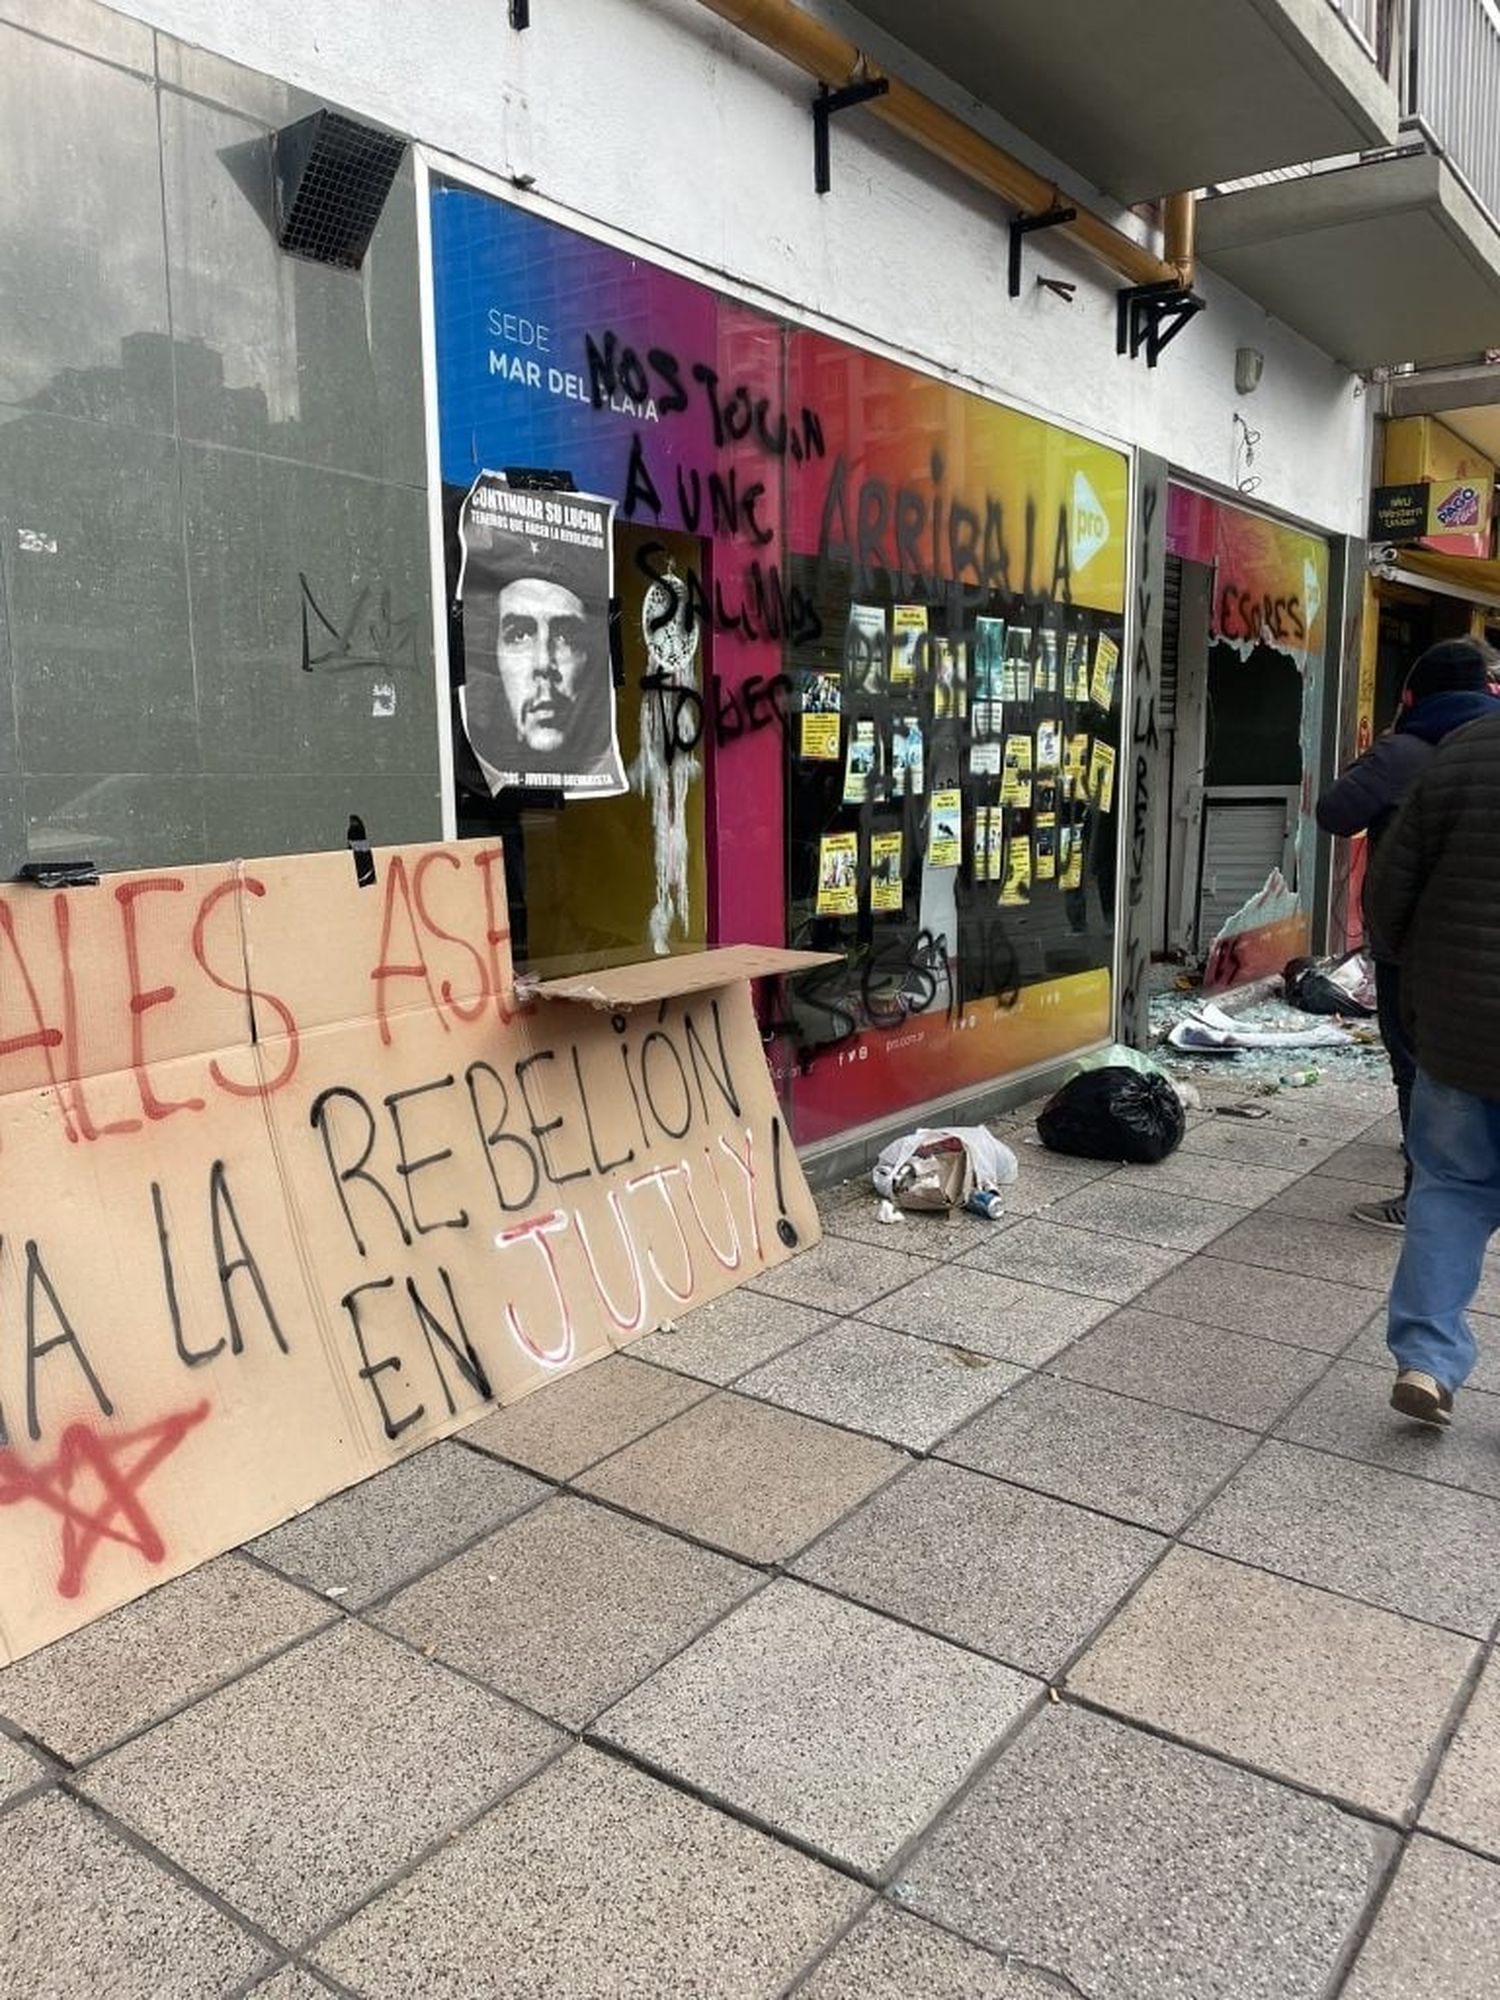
[[69, 1767], [122, 1830], [30, 1793], [911, 1624], [304, 1947], [670, 1368], [638, 1761], [1377, 1292], [763, 1577], [1400, 1824], [1375, 1465], [1138, 1305], [916, 1451], [556, 1479], [1458, 1708], [1068, 1988], [814, 1964]]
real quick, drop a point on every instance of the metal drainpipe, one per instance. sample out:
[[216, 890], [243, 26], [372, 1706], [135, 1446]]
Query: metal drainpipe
[[1179, 215], [828, 57]]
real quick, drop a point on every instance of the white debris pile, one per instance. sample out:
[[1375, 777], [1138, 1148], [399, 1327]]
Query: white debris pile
[[1269, 1043]]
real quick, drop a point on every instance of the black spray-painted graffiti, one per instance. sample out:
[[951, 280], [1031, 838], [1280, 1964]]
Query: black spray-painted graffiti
[[369, 635]]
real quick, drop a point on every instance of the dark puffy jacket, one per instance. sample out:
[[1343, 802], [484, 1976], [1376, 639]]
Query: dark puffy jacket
[[1366, 798], [1434, 894]]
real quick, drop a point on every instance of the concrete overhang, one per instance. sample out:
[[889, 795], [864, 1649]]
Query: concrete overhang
[[1380, 263], [1146, 97], [1466, 399]]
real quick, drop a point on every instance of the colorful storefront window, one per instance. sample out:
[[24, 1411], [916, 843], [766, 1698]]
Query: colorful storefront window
[[866, 661]]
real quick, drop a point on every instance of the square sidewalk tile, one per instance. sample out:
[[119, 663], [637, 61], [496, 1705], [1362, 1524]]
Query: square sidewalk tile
[[568, 1425], [1315, 1198], [1233, 1182], [1292, 1243], [373, 1536], [1203, 1370], [1465, 1801], [1124, 1457], [822, 1721], [595, 1879], [1350, 1412], [294, 1792], [1370, 1347], [568, 1607], [870, 1379], [725, 1339], [1076, 1260], [1005, 1317], [1257, 1143], [1423, 1550], [1362, 1160], [83, 1913], [19, 1769], [838, 1276], [890, 1956], [755, 1481], [1334, 1695], [1139, 1870], [1274, 1305], [1012, 1574], [1338, 1107], [1434, 1938], [89, 1689], [1122, 1206]]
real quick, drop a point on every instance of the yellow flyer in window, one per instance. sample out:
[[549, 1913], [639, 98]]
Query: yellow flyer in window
[[885, 871], [981, 860], [1015, 779], [945, 830], [1015, 890], [838, 875], [820, 738], [1075, 764], [1102, 777], [908, 642], [1106, 660], [1070, 857], [821, 703], [1077, 674]]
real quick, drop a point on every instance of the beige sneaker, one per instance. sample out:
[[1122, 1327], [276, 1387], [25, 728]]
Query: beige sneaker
[[1423, 1397]]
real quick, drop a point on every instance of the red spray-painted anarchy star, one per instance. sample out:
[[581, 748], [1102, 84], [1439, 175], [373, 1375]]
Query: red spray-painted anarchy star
[[120, 1465]]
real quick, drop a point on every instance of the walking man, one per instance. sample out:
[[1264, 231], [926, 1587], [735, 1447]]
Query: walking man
[[1435, 899], [1447, 687]]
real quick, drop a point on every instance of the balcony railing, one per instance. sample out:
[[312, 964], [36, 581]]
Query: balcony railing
[[1452, 89], [1442, 59]]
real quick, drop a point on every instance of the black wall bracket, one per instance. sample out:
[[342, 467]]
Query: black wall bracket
[[825, 105], [1152, 316], [1027, 225], [520, 14]]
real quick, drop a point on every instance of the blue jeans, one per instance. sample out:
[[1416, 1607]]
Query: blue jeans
[[1451, 1213]]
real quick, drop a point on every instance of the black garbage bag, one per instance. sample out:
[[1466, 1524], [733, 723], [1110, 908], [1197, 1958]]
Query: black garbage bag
[[1114, 1114], [1315, 993]]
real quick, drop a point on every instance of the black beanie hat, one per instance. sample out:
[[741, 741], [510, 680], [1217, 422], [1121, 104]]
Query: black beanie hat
[[1452, 666]]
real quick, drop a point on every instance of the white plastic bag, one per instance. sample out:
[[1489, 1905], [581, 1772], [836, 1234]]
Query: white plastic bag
[[910, 1171]]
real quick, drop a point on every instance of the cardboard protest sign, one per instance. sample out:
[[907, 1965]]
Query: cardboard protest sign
[[538, 697], [291, 1184]]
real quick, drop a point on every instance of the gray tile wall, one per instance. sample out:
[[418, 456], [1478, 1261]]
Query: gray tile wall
[[215, 622]]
